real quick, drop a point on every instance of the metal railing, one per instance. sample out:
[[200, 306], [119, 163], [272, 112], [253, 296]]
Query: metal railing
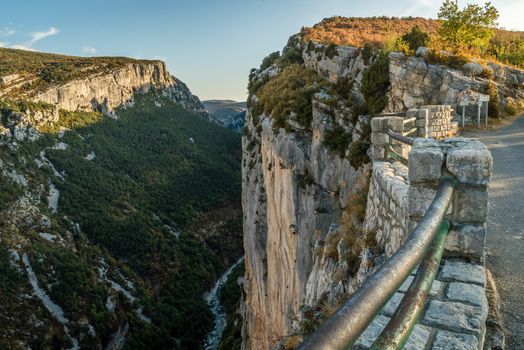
[[426, 242]]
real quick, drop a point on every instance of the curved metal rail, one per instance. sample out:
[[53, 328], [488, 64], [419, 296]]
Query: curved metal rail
[[397, 331], [400, 137], [342, 329]]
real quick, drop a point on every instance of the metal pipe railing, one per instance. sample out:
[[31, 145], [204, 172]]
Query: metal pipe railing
[[393, 154], [410, 120], [396, 333], [410, 131], [342, 329], [400, 137]]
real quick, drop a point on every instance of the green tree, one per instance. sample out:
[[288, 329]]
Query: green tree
[[416, 38], [470, 28]]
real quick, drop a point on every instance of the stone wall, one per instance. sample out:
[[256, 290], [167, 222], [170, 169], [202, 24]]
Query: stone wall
[[470, 162], [387, 208], [456, 310], [434, 121]]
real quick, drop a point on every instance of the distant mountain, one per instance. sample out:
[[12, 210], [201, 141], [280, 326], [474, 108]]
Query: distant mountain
[[229, 113]]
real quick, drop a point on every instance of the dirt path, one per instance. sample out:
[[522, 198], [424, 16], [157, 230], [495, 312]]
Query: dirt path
[[505, 240]]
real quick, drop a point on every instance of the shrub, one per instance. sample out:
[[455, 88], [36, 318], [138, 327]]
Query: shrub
[[510, 109], [367, 52], [291, 55], [416, 38], [395, 44], [358, 153], [291, 91], [375, 84], [343, 86], [269, 60], [337, 140], [331, 51], [494, 101]]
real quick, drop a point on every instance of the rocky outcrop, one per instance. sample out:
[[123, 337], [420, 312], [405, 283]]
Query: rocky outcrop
[[295, 195], [107, 91], [414, 82]]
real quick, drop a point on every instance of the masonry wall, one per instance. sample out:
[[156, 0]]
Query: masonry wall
[[387, 208], [434, 121]]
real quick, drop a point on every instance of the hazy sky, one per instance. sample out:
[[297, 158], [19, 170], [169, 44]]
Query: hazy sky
[[209, 44]]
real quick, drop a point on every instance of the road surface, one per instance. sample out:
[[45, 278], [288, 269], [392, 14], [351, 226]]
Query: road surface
[[505, 239]]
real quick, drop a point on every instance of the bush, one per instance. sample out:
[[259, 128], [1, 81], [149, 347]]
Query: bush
[[358, 153], [343, 86], [416, 38], [494, 100], [337, 140], [269, 60], [375, 84], [510, 109], [291, 91], [331, 51]]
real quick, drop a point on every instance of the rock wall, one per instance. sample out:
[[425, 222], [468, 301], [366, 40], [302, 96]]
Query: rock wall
[[414, 83], [108, 91], [387, 205], [295, 191]]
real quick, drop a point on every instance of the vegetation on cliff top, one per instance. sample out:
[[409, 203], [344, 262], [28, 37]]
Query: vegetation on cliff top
[[289, 92], [40, 70], [480, 39]]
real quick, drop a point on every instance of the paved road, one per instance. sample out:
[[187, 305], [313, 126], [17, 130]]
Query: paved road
[[505, 240]]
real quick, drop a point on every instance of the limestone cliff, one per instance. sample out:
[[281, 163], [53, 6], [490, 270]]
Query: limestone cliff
[[114, 89], [303, 185]]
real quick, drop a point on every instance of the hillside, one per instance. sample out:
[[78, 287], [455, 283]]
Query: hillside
[[506, 46], [117, 216]]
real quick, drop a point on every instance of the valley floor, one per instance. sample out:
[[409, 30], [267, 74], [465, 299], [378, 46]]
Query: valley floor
[[505, 240]]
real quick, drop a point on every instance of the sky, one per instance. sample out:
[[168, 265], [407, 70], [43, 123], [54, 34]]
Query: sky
[[209, 44]]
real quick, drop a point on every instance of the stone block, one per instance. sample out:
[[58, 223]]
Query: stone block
[[466, 241], [468, 293], [455, 316], [418, 339], [392, 304], [470, 204], [458, 271], [378, 152], [425, 161], [435, 288], [445, 340], [470, 161], [379, 138], [419, 199], [382, 124]]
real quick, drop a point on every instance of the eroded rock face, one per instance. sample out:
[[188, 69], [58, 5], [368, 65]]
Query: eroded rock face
[[105, 92], [295, 192], [415, 83]]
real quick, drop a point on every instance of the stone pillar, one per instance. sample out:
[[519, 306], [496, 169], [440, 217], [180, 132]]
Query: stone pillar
[[425, 165], [379, 138], [422, 123], [471, 163]]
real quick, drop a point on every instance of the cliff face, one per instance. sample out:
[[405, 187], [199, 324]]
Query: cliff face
[[306, 242], [114, 89]]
